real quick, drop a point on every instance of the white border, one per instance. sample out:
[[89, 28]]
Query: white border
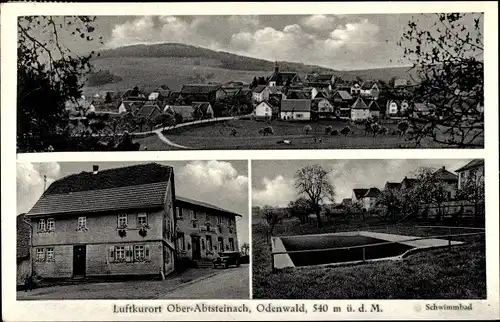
[[101, 310]]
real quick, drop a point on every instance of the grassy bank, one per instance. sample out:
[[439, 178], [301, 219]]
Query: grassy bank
[[456, 273]]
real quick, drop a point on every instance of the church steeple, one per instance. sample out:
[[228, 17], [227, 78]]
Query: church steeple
[[276, 67]]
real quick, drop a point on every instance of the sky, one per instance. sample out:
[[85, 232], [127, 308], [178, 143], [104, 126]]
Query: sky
[[273, 185], [220, 183], [355, 41]]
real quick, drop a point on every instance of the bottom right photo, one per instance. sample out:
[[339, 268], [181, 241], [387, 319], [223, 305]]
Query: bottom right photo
[[368, 229]]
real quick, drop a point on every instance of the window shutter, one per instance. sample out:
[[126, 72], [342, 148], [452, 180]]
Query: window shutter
[[111, 254], [147, 253], [128, 253]]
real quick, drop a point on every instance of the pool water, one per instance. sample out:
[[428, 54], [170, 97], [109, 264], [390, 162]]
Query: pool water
[[338, 256]]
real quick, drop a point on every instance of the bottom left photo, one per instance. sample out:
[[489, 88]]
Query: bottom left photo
[[133, 230]]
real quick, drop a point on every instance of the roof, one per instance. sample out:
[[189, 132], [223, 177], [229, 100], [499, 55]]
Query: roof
[[148, 108], [204, 205], [133, 106], [476, 163], [443, 174], [296, 94], [359, 193], [199, 88], [132, 187], [259, 88], [392, 185], [372, 192], [359, 104], [408, 182], [186, 111], [373, 106], [422, 107], [368, 84], [344, 95], [346, 201], [324, 77], [283, 76], [400, 82], [203, 106], [295, 105], [23, 237]]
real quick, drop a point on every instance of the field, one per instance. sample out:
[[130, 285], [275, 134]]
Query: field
[[456, 273], [148, 73], [218, 137]]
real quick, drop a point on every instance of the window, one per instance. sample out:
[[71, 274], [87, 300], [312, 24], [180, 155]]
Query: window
[[120, 253], [122, 221], [40, 255], [50, 224], [181, 244], [142, 220], [298, 115], [82, 222], [209, 243], [50, 254], [179, 212], [219, 220], [221, 244], [41, 225], [139, 253], [231, 243], [194, 214]]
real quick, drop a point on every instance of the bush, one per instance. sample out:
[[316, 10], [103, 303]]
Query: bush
[[307, 129], [335, 132], [328, 129]]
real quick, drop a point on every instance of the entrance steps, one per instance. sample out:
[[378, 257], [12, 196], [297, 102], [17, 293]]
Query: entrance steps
[[204, 263]]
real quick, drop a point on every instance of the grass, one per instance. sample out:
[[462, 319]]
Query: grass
[[458, 273], [218, 137]]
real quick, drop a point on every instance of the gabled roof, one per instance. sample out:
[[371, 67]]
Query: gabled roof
[[372, 193], [203, 106], [296, 94], [408, 182], [324, 77], [443, 174], [368, 84], [148, 109], [359, 193], [186, 111], [373, 106], [346, 96], [476, 163], [295, 105], [359, 104], [132, 187], [259, 88], [346, 201], [199, 88], [204, 205], [392, 185], [133, 106]]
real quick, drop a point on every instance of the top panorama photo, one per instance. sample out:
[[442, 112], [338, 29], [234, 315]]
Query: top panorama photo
[[135, 83]]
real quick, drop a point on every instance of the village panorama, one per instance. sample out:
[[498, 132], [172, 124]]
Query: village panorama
[[181, 96]]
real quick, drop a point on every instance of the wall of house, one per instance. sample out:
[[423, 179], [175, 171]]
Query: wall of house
[[375, 114], [101, 228], [360, 114], [464, 175], [263, 110], [368, 203], [193, 223], [99, 262], [392, 109], [301, 116], [168, 229], [324, 106]]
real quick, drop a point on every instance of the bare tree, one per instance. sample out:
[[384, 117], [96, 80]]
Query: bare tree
[[300, 208], [312, 182], [272, 217], [448, 56]]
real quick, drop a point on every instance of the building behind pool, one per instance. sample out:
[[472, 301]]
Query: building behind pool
[[122, 223]]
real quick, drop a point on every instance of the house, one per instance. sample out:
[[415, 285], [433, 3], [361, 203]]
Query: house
[[203, 230], [358, 194], [185, 111], [369, 199], [422, 109], [295, 109], [318, 93], [260, 93], [111, 223], [204, 109], [23, 249], [359, 110], [322, 80], [374, 109], [323, 108], [392, 185], [449, 180], [149, 110], [282, 78], [130, 107], [473, 170], [263, 110], [297, 94], [342, 100], [392, 108], [400, 82], [370, 89], [199, 93], [408, 183], [355, 89], [346, 202], [277, 92], [159, 94]]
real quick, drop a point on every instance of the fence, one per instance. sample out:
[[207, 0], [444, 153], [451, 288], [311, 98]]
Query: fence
[[448, 237]]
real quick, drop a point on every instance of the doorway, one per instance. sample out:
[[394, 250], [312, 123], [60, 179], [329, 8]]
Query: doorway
[[79, 260], [195, 242]]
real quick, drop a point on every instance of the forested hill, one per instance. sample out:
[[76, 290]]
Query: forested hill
[[203, 56]]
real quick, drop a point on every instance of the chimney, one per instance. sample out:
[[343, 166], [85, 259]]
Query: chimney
[[95, 168]]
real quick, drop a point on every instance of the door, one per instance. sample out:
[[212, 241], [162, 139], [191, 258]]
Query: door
[[195, 242], [79, 260]]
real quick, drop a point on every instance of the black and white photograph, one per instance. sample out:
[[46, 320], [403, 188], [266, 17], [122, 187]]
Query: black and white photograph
[[133, 230], [368, 229], [250, 82]]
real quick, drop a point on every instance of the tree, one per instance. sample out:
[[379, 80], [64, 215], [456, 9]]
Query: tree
[[254, 83], [312, 182], [429, 189], [354, 208], [165, 119], [108, 98], [403, 127], [345, 130], [300, 208], [472, 190], [448, 56], [272, 218], [49, 75]]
